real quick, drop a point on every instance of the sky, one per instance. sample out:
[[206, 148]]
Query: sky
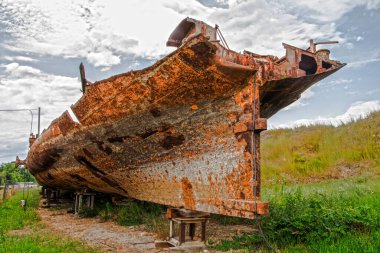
[[42, 43]]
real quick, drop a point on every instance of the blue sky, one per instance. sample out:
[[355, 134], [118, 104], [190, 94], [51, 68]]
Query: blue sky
[[43, 42]]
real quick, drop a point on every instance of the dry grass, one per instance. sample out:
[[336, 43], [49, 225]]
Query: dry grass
[[310, 154]]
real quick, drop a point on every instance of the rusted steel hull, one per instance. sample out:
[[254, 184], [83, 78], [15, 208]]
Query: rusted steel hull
[[179, 133]]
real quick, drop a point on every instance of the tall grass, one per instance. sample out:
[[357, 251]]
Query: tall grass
[[321, 152], [334, 216]]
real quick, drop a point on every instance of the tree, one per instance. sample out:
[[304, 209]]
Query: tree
[[8, 171]]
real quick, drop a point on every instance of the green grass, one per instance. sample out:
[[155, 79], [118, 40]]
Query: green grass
[[139, 212], [37, 239], [333, 216], [41, 242], [12, 216], [316, 153]]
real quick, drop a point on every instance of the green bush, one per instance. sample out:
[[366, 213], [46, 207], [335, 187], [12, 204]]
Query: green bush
[[138, 212], [106, 213], [298, 219], [86, 212], [130, 214]]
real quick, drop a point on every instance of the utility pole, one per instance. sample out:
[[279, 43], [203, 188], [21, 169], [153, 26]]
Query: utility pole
[[39, 121], [5, 190]]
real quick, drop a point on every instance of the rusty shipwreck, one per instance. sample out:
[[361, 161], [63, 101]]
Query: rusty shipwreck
[[184, 132]]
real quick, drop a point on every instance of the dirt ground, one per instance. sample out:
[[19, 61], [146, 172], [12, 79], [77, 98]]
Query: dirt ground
[[110, 237], [104, 235]]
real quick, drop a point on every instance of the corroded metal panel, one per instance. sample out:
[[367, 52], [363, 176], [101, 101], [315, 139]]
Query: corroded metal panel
[[184, 132]]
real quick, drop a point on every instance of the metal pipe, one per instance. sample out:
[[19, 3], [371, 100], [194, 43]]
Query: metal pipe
[[82, 77], [39, 121]]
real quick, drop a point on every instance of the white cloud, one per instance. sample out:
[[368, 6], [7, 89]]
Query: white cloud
[[105, 59], [20, 58], [15, 70], [27, 87], [340, 81], [356, 111], [334, 84], [359, 38], [330, 11], [362, 63]]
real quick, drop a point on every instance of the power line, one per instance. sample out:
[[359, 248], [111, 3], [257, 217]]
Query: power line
[[17, 110]]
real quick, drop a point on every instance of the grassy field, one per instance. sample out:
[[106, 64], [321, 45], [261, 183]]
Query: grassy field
[[21, 231], [317, 153]]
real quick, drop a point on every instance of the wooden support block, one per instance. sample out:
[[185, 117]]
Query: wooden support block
[[92, 201], [192, 230], [185, 218], [171, 228], [80, 202], [182, 233], [169, 213], [203, 231]]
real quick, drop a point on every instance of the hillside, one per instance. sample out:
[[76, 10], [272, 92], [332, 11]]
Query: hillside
[[316, 153]]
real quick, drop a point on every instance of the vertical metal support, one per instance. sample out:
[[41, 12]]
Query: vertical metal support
[[203, 231], [5, 190], [182, 232], [76, 204], [39, 122], [258, 125], [80, 200], [171, 228], [256, 141], [192, 230], [82, 77], [48, 196], [92, 200]]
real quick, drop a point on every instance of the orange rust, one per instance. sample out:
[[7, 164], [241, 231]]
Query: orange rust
[[194, 107], [187, 194]]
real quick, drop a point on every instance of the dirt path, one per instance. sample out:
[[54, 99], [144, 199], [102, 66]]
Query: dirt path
[[106, 235]]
